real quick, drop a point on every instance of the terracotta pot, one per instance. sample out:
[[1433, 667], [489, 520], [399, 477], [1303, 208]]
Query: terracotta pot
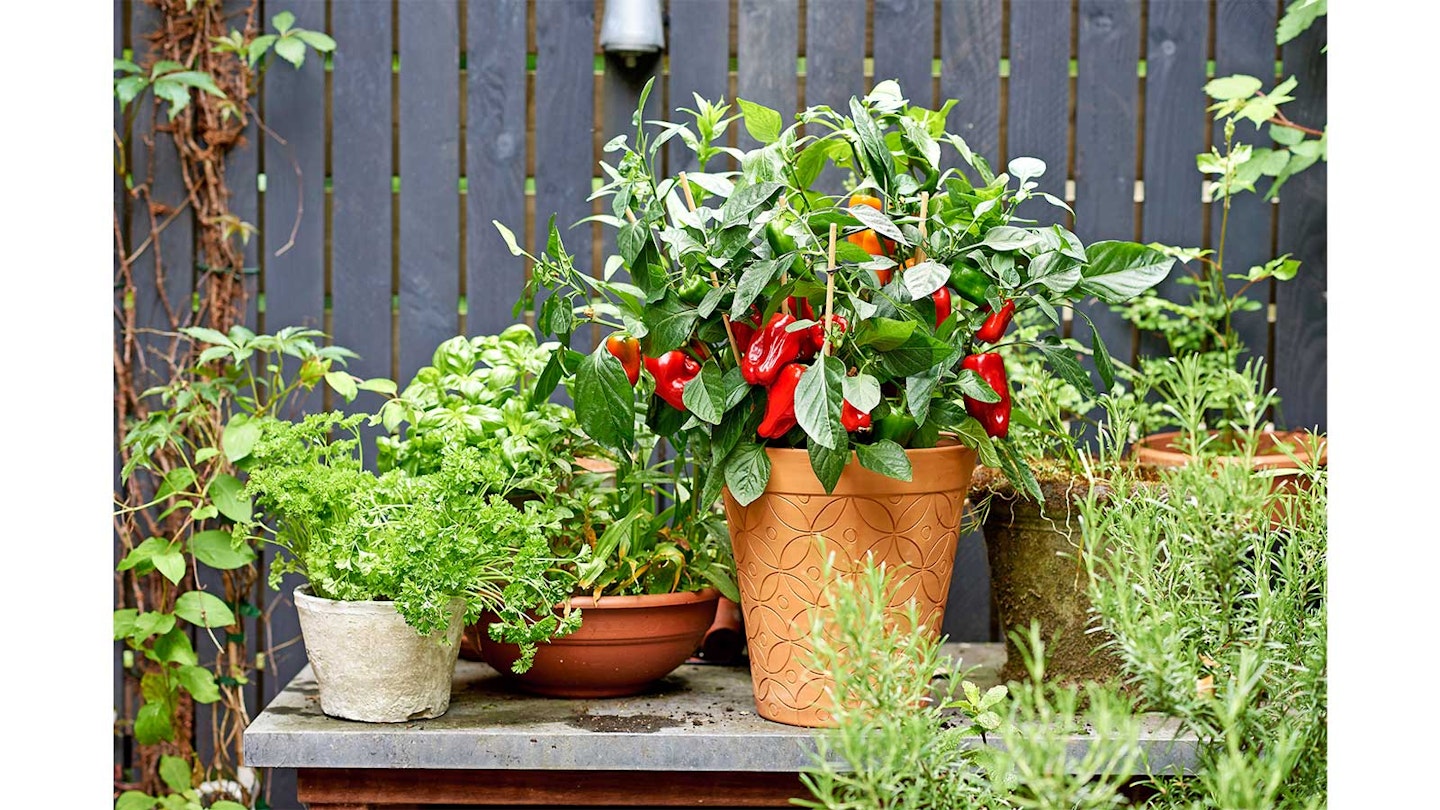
[[473, 639], [1037, 573], [624, 644], [1160, 450], [726, 637], [911, 526]]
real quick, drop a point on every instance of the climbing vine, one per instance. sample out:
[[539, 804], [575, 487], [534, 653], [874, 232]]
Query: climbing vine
[[189, 91]]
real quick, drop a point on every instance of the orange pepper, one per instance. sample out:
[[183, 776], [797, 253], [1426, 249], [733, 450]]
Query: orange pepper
[[866, 239]]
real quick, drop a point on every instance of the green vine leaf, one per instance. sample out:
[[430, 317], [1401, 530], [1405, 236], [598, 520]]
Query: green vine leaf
[[203, 609]]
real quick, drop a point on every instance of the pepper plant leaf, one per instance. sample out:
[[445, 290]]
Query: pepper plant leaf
[[885, 457], [704, 396], [1119, 271], [669, 323], [827, 464], [604, 400], [747, 472], [818, 402]]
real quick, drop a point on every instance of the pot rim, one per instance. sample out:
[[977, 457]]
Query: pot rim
[[303, 591], [948, 444], [1162, 454], [647, 600]]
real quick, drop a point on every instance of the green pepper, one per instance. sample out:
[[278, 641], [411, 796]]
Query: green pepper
[[693, 290], [970, 283], [782, 242], [895, 426]]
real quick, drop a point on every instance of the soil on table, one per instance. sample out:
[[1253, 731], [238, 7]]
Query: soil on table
[[627, 723]]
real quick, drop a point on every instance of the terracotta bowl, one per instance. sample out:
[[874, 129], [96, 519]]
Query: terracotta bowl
[[1160, 450], [624, 644]]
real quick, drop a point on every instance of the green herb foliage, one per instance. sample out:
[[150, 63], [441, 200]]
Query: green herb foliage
[[482, 390], [1203, 324], [1216, 599], [421, 541], [184, 457], [911, 733]]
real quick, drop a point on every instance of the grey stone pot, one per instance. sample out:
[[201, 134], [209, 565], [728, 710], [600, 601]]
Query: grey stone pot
[[372, 666]]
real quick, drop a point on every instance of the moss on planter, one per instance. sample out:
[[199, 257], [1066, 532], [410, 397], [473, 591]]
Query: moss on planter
[[1037, 571]]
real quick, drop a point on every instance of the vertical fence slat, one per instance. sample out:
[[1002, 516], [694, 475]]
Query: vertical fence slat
[[1037, 124], [970, 35], [1245, 43], [564, 123], [834, 66], [241, 167], [1175, 123], [769, 35], [360, 168], [1106, 119], [698, 46], [175, 245], [295, 187], [294, 285], [429, 180], [904, 35], [1301, 317], [970, 72], [495, 159]]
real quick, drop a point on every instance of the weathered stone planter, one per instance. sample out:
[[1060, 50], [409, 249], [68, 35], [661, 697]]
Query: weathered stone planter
[[372, 666], [1037, 573]]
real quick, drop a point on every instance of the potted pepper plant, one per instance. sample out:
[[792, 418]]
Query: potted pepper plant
[[814, 358], [395, 563]]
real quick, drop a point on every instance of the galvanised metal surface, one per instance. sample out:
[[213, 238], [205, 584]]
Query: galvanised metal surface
[[701, 718]]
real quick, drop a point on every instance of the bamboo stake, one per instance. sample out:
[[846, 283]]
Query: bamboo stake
[[924, 215], [714, 279], [829, 291], [784, 272]]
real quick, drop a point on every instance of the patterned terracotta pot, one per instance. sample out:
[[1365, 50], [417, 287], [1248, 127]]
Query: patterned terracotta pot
[[912, 526]]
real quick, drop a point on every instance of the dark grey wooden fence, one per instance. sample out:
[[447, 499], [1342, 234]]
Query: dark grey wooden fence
[[437, 116]]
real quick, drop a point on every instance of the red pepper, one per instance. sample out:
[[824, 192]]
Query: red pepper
[[995, 325], [780, 402], [672, 370], [853, 418], [627, 351], [771, 349], [745, 331], [815, 335], [941, 297], [801, 308], [993, 416]]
